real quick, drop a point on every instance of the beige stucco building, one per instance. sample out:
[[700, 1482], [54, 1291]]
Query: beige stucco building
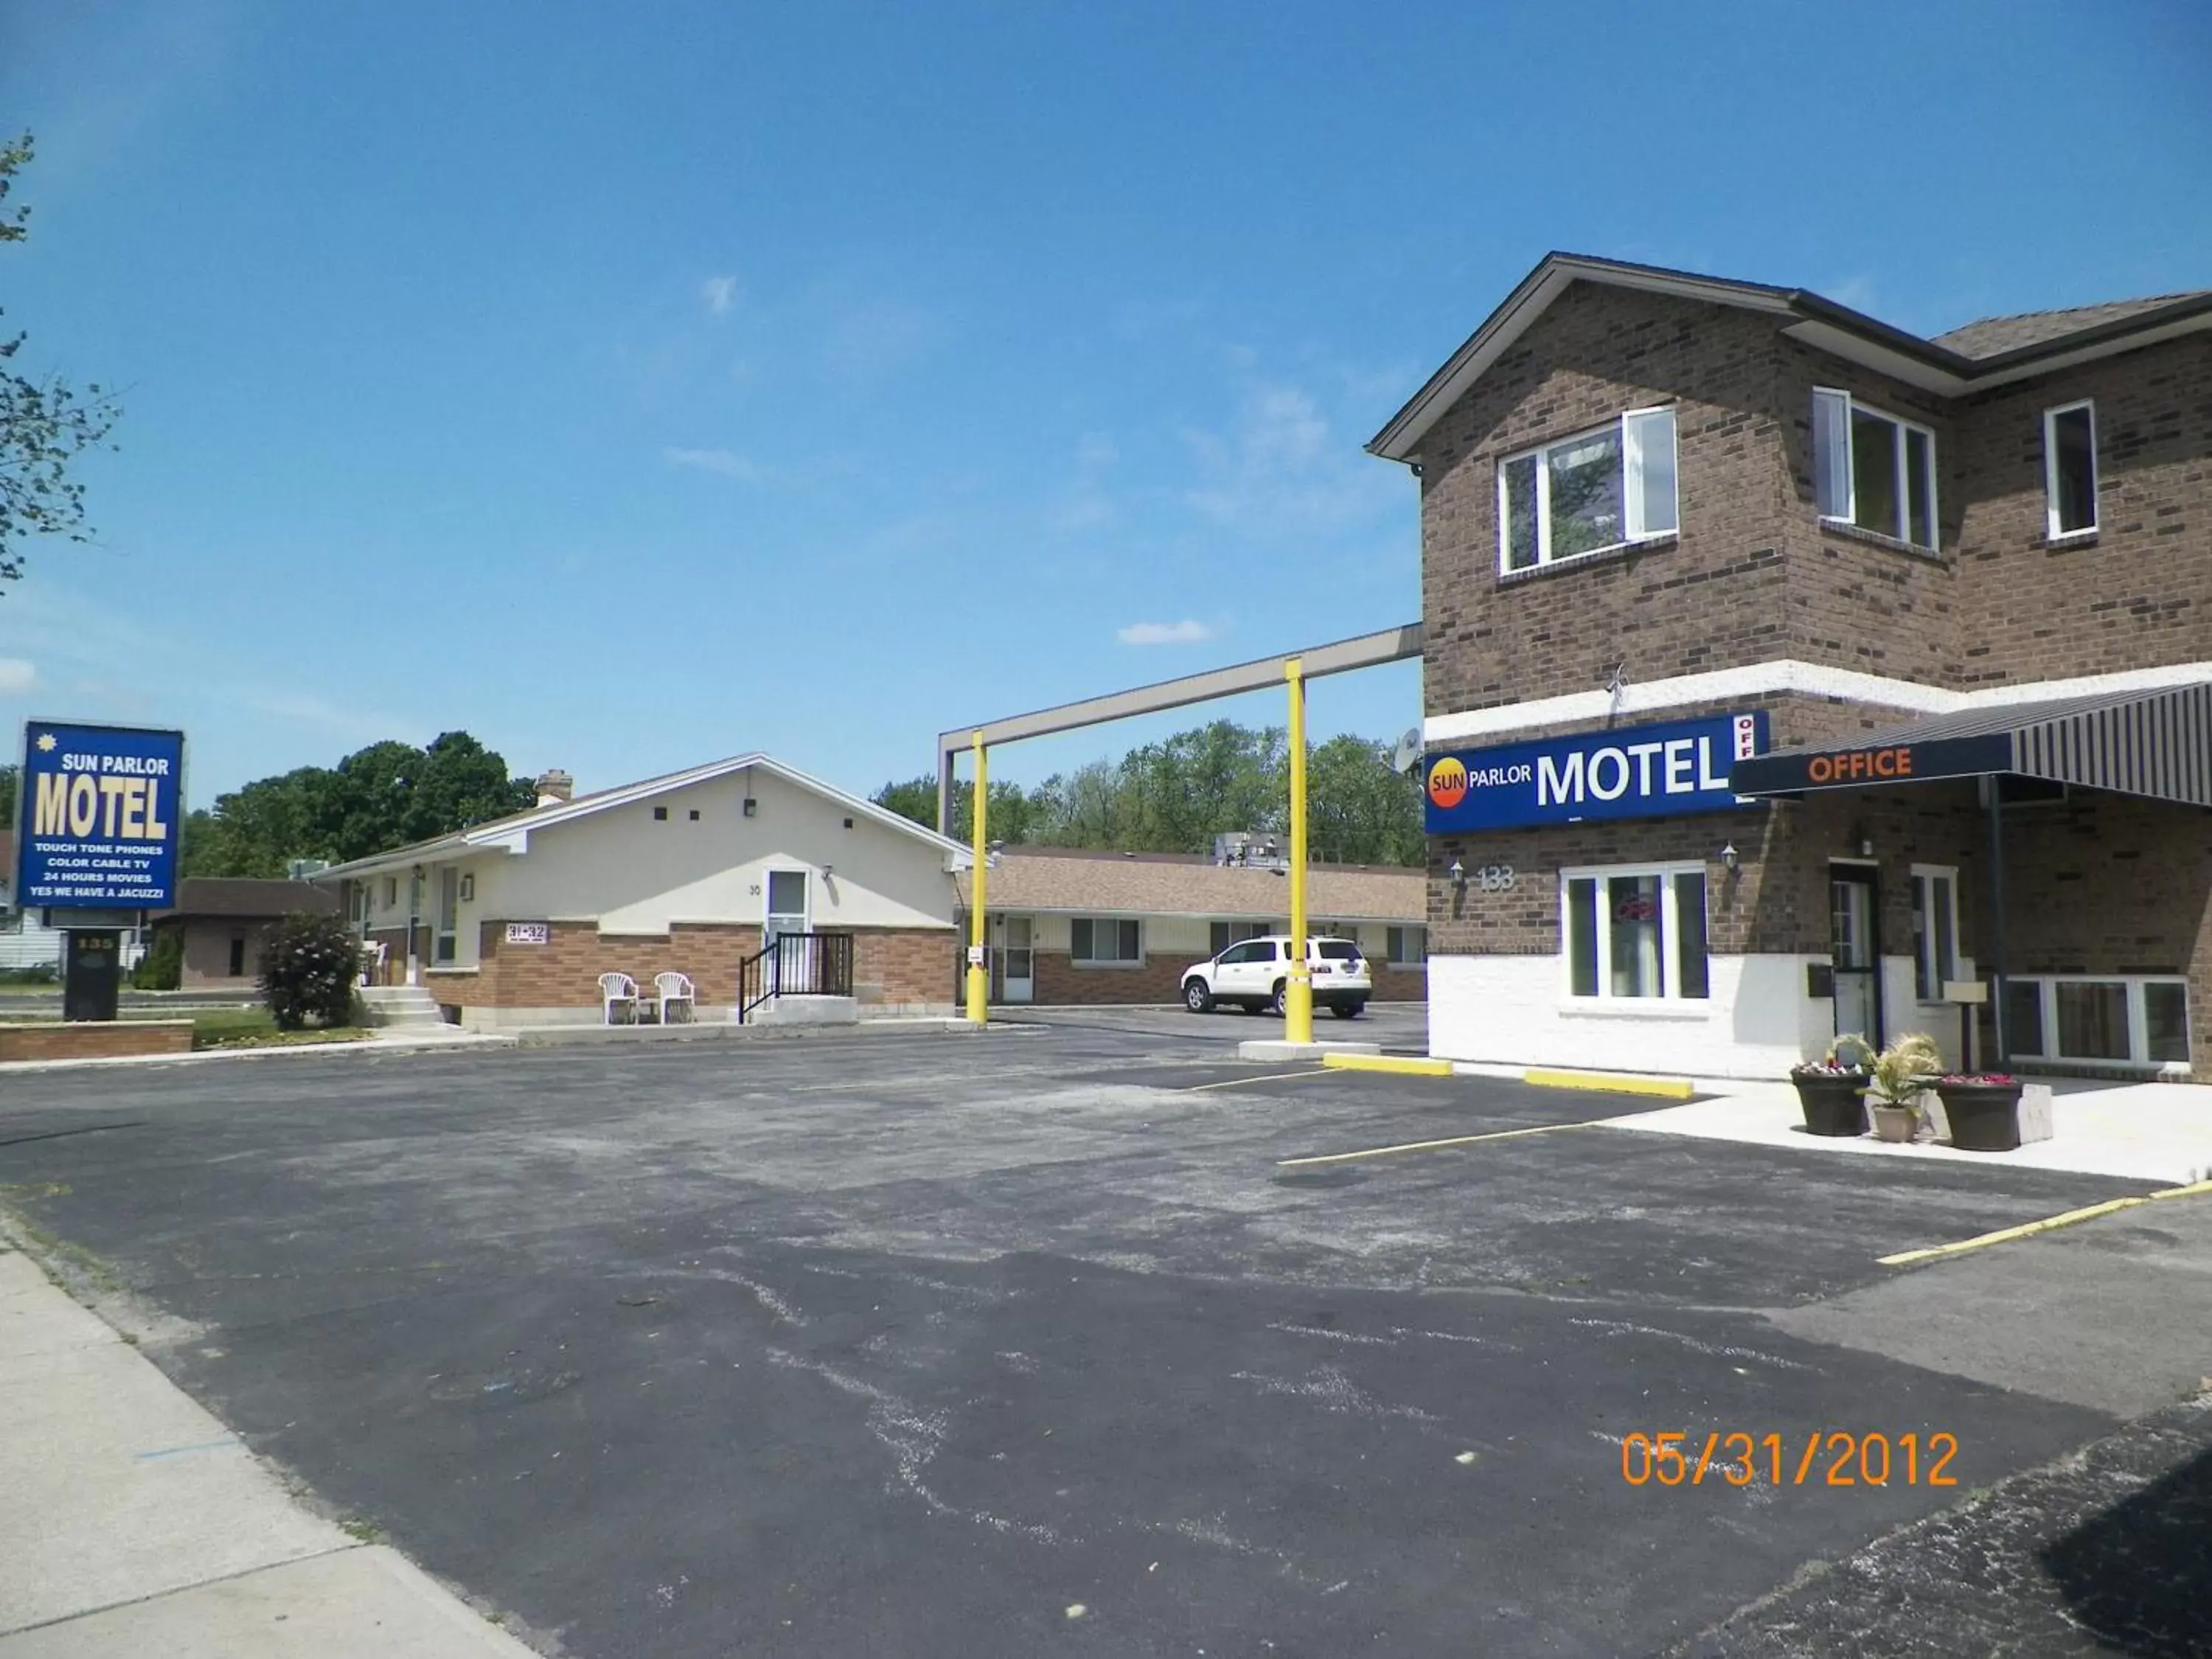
[[512, 921]]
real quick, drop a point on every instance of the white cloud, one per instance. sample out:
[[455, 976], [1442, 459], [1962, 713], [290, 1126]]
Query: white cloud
[[16, 676], [1187, 632], [727, 463], [719, 293], [1280, 472]]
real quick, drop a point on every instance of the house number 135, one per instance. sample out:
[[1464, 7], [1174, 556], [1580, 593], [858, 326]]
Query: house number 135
[[1494, 878]]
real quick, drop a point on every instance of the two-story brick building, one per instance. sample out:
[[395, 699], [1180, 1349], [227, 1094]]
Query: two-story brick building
[[1783, 667]]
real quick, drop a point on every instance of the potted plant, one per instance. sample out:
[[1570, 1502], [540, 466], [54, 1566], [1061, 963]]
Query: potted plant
[[1831, 1089], [1902, 1072], [1983, 1110]]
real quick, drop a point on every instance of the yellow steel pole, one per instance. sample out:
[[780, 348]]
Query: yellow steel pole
[[979, 975], [1298, 994]]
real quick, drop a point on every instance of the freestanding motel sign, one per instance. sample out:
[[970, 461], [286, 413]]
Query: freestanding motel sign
[[99, 811]]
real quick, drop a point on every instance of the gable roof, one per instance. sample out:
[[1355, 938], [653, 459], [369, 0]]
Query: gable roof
[[1991, 352], [1088, 882], [247, 897], [512, 834]]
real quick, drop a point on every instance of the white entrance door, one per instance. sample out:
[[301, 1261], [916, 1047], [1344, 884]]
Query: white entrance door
[[786, 914], [1019, 959]]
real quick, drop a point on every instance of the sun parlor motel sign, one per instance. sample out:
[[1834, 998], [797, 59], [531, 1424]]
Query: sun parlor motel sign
[[1630, 772], [100, 813]]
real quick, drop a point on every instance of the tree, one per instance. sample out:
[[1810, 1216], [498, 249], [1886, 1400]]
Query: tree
[[1175, 795], [378, 797], [45, 424], [7, 798]]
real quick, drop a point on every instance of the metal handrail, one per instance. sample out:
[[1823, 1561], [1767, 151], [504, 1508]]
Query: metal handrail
[[795, 964]]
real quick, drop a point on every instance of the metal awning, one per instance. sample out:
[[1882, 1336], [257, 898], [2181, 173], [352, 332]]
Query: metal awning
[[2156, 743]]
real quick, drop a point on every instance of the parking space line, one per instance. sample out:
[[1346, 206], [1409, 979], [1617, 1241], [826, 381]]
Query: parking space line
[[1432, 1145], [1246, 1082], [2029, 1229]]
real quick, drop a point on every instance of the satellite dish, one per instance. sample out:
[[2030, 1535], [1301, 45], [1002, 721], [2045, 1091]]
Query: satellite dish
[[1409, 750]]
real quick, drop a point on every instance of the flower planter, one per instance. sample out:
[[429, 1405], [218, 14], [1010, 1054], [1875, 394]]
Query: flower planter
[[1895, 1123], [1834, 1104], [1985, 1117]]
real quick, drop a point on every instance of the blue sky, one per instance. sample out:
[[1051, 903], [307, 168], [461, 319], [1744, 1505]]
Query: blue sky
[[634, 385]]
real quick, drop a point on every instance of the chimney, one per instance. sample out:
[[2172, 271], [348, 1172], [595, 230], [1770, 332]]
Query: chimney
[[553, 787]]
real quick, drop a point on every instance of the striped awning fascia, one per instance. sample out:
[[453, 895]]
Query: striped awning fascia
[[2155, 744]]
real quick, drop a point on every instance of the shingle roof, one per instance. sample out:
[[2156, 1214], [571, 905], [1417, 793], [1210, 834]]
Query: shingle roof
[[243, 897], [1991, 337], [1166, 883]]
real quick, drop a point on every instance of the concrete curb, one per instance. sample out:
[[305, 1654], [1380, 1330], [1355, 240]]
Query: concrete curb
[[380, 1045]]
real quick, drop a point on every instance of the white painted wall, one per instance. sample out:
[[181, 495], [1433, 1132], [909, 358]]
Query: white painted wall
[[1756, 1023], [1514, 1010]]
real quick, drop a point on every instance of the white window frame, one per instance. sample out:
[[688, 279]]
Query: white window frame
[[1397, 935], [1669, 1000], [1935, 973], [2051, 528], [1109, 964], [1632, 503], [2138, 1019], [1854, 406]]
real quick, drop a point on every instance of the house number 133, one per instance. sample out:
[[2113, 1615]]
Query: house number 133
[[1494, 878]]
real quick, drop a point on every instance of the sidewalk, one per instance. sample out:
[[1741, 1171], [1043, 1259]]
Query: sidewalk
[[2157, 1132], [135, 1524]]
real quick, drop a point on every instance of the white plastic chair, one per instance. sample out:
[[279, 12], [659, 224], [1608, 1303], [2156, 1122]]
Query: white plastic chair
[[674, 991], [618, 990]]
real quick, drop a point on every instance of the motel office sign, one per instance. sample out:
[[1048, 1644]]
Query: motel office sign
[[1630, 772], [100, 810]]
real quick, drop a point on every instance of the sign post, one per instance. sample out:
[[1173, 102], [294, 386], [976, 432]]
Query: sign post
[[100, 813]]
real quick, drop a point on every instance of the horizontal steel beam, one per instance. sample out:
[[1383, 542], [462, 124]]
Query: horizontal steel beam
[[1368, 651]]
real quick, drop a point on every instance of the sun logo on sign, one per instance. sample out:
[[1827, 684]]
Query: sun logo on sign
[[1448, 782], [46, 742]]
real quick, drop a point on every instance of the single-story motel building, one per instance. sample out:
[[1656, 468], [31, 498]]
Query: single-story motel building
[[1071, 926], [513, 921], [220, 921]]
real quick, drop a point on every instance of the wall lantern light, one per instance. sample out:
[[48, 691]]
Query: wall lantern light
[[1731, 858], [1456, 872], [751, 804]]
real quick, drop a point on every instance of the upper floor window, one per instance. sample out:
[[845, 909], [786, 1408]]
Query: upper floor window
[[1873, 470], [2070, 468], [1590, 493]]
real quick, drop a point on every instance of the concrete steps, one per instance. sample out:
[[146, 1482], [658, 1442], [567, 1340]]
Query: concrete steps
[[405, 1006]]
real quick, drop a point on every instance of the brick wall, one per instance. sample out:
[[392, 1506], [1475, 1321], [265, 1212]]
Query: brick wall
[[2137, 592], [890, 966], [94, 1039], [906, 967], [1754, 575]]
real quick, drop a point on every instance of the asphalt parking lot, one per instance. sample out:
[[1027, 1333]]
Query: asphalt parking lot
[[1032, 1342]]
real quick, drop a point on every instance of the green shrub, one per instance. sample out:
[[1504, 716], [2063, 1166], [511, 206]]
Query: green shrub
[[162, 967], [309, 965]]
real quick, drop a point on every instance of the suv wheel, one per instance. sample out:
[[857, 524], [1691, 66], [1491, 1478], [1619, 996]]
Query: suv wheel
[[1197, 997], [1273, 1005]]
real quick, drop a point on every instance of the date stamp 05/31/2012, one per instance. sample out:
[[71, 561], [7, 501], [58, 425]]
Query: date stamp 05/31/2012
[[1817, 1458]]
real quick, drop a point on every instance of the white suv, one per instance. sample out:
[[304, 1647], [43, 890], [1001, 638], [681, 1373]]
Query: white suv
[[1252, 974]]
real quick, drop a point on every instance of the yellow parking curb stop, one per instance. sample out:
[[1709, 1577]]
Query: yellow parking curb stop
[[1405, 1065], [1613, 1083]]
